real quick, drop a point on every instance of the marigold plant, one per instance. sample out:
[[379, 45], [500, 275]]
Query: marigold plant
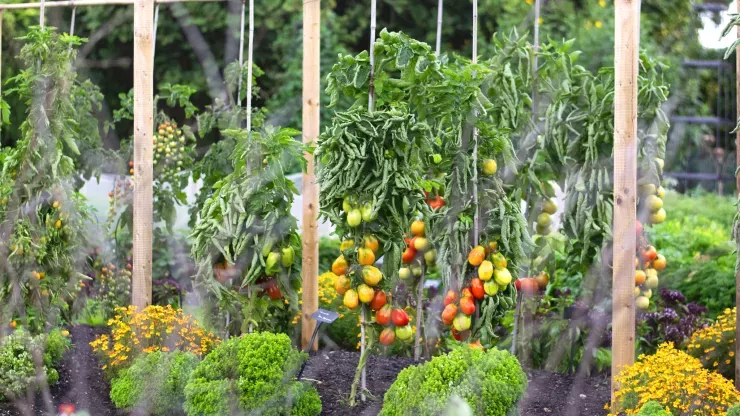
[[156, 328], [675, 380], [715, 345]]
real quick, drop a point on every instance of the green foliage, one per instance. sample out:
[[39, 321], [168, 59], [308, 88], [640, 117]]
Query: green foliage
[[734, 410], [18, 371], [246, 225], [44, 219], [491, 382], [154, 382], [653, 408], [251, 374], [696, 242]]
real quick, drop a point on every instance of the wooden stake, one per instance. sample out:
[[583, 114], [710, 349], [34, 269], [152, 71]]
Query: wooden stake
[[141, 293], [72, 21], [309, 187], [419, 311], [626, 65], [737, 178], [83, 3], [154, 32], [476, 216], [42, 12], [439, 27], [534, 59]]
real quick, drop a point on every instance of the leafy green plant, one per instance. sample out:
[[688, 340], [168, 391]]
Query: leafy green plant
[[18, 370], [490, 382], [653, 408], [154, 382], [734, 410], [251, 374], [43, 218], [245, 242]]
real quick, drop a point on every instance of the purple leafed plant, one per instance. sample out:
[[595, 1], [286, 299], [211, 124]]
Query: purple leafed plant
[[671, 320]]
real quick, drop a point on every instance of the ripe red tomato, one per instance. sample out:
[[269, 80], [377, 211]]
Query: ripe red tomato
[[649, 254], [383, 316], [378, 300], [399, 317], [408, 255], [272, 289], [467, 305], [449, 313], [529, 286], [387, 336], [466, 292], [476, 286], [459, 336], [450, 297]]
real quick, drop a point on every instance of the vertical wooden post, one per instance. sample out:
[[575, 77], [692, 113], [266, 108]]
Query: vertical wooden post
[[141, 293], [737, 179], [250, 51], [476, 216], [626, 65], [309, 187]]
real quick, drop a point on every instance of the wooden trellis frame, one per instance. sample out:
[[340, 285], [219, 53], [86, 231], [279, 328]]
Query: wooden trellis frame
[[627, 29], [626, 67]]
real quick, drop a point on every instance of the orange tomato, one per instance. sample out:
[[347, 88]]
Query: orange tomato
[[387, 336], [450, 297], [339, 267], [417, 228], [640, 277], [371, 242], [365, 256], [341, 284], [383, 315], [449, 313], [467, 305], [477, 255]]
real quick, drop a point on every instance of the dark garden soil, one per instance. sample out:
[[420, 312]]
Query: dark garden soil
[[82, 384], [548, 394]]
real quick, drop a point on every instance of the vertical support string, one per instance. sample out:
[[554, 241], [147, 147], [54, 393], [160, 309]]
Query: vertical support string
[[439, 27], [535, 60], [476, 218], [42, 11], [371, 87], [250, 49], [241, 57], [1, 65], [156, 26], [72, 20]]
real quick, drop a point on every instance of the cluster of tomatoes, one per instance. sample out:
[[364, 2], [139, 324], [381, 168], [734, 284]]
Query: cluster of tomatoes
[[652, 198], [120, 195], [648, 262], [358, 211], [532, 285], [170, 149], [418, 247], [492, 277], [544, 218]]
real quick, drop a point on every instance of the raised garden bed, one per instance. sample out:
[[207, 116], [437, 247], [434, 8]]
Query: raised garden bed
[[82, 384]]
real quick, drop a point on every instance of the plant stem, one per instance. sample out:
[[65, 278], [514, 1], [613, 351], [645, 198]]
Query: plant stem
[[419, 311], [360, 372]]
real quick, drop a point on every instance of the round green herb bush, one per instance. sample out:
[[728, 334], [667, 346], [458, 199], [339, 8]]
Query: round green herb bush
[[154, 382], [653, 408], [18, 370], [490, 382], [734, 410], [252, 374]]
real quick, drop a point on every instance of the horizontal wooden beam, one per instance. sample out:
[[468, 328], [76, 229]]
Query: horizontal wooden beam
[[82, 3]]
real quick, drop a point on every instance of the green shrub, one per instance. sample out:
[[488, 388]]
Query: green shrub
[[155, 382], [653, 408], [490, 382], [18, 370], [252, 374], [696, 243], [734, 410]]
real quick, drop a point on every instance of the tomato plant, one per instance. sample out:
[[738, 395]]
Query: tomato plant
[[43, 218]]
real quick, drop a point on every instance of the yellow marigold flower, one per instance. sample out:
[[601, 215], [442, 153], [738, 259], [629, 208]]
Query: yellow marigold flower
[[602, 3], [597, 24]]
